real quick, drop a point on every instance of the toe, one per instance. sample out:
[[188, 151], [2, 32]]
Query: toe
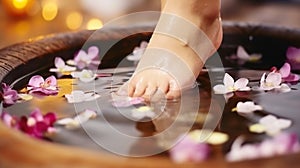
[[150, 90], [174, 91], [139, 89], [131, 89]]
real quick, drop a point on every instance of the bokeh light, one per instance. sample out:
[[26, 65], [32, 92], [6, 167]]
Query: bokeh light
[[49, 10], [94, 24], [74, 20], [20, 4]]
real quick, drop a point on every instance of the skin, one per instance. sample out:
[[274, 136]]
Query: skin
[[203, 13]]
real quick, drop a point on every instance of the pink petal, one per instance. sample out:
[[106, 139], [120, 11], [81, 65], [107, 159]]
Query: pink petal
[[51, 80], [274, 78], [187, 150], [93, 52], [36, 81], [37, 114], [285, 70], [293, 57], [228, 80], [43, 91], [293, 52], [137, 100], [59, 62], [286, 143], [291, 78], [7, 119], [50, 119], [241, 83]]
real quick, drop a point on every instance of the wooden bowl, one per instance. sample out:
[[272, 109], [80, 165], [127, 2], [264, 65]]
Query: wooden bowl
[[16, 61]]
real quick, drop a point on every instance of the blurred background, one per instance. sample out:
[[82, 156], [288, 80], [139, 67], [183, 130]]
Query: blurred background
[[21, 20]]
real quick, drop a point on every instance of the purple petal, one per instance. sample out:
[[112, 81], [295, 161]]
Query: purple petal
[[293, 57], [93, 52], [36, 81], [5, 87], [79, 55], [136, 100], [189, 150], [43, 91], [51, 80], [10, 97]]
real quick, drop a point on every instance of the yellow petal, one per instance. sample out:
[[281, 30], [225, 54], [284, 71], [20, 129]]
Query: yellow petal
[[25, 97], [213, 138], [257, 128], [143, 109]]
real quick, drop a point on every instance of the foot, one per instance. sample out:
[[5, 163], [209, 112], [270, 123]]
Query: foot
[[166, 78]]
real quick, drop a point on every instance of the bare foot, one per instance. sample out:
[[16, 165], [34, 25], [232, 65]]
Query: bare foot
[[182, 41]]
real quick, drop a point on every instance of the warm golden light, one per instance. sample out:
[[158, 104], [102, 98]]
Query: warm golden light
[[94, 24], [49, 10], [74, 20], [20, 4]]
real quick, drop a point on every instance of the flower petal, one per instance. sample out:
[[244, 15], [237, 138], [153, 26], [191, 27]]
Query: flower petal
[[93, 52], [51, 80], [228, 80], [274, 78], [242, 54], [59, 62], [283, 123], [291, 78], [241, 83], [284, 88], [285, 70], [36, 81], [220, 89]]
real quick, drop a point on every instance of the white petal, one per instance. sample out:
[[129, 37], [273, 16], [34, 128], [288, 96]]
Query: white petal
[[284, 88], [71, 62], [241, 83], [138, 115], [220, 89], [242, 54], [283, 123], [59, 62], [65, 121], [274, 78], [150, 114], [53, 70], [228, 80], [85, 116], [262, 80], [247, 107], [268, 120]]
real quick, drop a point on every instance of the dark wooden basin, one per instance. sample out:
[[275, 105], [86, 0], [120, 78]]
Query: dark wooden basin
[[19, 60]]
